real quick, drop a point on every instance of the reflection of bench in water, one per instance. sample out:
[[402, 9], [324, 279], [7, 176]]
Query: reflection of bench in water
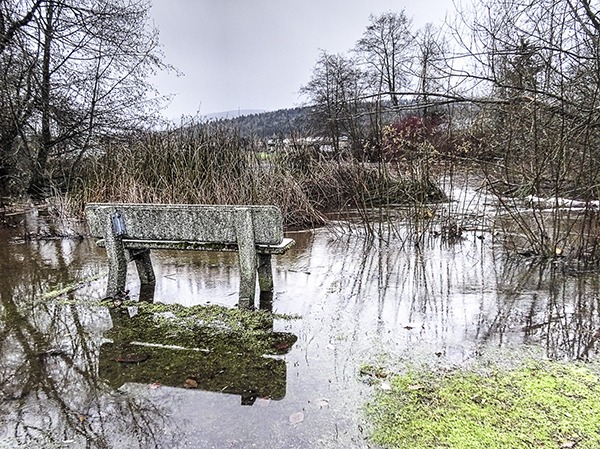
[[250, 376], [130, 231], [210, 357]]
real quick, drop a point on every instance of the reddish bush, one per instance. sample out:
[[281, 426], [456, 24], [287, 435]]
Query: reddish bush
[[405, 138]]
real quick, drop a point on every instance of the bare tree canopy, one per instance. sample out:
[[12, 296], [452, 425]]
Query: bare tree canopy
[[72, 73], [387, 49], [335, 90]]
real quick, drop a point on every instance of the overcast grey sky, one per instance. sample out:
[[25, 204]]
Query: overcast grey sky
[[256, 54]]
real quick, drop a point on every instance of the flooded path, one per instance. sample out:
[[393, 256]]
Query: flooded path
[[350, 301]]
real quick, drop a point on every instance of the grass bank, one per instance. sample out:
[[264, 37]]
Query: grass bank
[[539, 404]]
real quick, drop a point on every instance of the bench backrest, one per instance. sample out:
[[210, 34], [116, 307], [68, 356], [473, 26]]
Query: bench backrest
[[186, 222]]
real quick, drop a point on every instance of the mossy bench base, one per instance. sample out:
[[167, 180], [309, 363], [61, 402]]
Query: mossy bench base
[[130, 231]]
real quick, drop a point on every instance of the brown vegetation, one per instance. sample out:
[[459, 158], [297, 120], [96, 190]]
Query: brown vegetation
[[213, 164]]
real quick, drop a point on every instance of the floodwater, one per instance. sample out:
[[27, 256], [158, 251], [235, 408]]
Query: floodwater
[[440, 300]]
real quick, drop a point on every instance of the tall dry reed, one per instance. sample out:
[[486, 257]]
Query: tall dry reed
[[214, 164]]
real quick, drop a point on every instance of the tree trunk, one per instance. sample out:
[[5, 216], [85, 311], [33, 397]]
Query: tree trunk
[[38, 181]]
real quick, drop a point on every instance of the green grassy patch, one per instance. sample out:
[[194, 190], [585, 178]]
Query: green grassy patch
[[539, 405]]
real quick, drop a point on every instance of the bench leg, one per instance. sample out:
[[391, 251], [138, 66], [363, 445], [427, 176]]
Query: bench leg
[[247, 257], [265, 273], [145, 271], [147, 292], [117, 266]]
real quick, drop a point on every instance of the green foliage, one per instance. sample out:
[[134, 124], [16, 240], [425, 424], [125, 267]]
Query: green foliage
[[541, 404]]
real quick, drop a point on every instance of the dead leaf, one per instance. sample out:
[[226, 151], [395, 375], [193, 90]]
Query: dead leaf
[[190, 382], [282, 345], [297, 418], [154, 386]]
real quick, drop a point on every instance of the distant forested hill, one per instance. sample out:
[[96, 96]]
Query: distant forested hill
[[281, 123]]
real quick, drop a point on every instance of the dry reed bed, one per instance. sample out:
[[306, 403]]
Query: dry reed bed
[[213, 164]]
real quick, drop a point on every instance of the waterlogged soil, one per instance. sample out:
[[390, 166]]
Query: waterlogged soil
[[79, 371]]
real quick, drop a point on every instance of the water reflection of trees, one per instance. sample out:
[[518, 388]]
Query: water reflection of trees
[[466, 294], [554, 307], [49, 387]]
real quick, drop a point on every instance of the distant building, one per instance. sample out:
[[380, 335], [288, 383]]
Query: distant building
[[321, 144]]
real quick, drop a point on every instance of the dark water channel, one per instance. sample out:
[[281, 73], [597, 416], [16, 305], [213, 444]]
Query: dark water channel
[[358, 301]]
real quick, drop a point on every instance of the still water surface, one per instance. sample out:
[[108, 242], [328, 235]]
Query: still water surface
[[359, 301]]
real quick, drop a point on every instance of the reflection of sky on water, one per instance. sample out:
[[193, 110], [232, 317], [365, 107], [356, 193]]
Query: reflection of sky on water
[[359, 301]]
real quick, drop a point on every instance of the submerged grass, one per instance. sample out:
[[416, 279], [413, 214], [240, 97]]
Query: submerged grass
[[540, 404]]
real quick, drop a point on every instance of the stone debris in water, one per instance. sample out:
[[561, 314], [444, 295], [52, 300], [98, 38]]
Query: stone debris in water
[[296, 418]]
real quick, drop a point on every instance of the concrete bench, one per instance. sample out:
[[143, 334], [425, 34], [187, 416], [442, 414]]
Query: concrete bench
[[129, 231]]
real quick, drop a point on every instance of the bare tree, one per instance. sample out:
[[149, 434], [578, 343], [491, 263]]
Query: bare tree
[[15, 16], [536, 73], [96, 57], [433, 71], [387, 50], [73, 73], [17, 83], [335, 91]]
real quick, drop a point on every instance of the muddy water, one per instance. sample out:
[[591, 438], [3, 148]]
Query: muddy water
[[359, 301]]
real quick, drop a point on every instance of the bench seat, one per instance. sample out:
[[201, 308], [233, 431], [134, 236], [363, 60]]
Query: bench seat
[[135, 244]]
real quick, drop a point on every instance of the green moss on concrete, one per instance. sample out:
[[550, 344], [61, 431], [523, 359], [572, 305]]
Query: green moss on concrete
[[541, 405], [205, 327], [209, 347], [223, 369]]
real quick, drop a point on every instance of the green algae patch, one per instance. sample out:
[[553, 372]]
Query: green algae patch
[[61, 290], [202, 326], [538, 405], [211, 347]]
